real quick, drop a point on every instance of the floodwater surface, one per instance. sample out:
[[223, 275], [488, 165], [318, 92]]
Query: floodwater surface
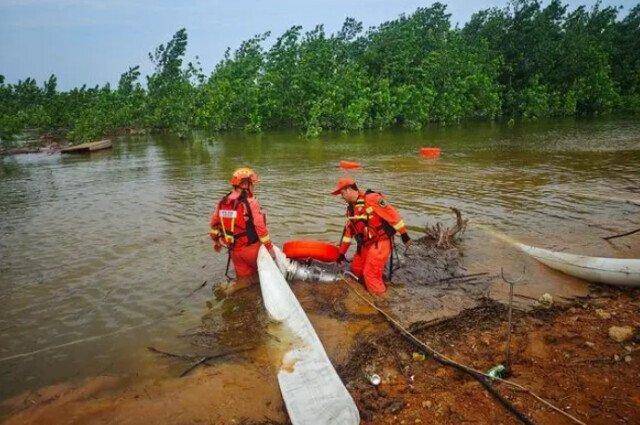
[[100, 253]]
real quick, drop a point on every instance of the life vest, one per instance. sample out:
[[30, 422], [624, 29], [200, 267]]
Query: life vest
[[367, 225], [236, 221]]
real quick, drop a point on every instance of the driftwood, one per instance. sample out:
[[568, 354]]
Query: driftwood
[[193, 366], [205, 359], [169, 354], [88, 147], [631, 232], [202, 285], [443, 236], [422, 325], [464, 277], [199, 359]]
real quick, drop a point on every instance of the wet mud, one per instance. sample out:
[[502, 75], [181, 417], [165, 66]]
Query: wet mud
[[236, 349], [434, 294], [430, 283], [227, 319], [240, 387], [564, 354]]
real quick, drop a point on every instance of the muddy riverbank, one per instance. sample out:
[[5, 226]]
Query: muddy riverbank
[[564, 353], [100, 254], [239, 388]]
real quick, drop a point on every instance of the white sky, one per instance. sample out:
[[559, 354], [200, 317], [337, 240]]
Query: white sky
[[94, 41]]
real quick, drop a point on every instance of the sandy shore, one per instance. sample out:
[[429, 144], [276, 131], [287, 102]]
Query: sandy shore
[[564, 353]]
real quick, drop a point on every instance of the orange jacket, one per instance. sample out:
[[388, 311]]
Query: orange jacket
[[240, 228], [369, 219]]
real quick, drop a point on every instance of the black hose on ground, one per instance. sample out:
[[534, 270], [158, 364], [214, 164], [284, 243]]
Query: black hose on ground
[[484, 381], [480, 378]]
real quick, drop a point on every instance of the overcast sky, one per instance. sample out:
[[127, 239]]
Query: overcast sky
[[94, 41]]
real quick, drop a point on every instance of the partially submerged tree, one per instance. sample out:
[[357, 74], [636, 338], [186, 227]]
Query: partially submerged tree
[[528, 60]]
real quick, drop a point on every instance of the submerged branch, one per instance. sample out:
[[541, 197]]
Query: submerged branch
[[444, 237], [205, 359], [169, 354], [620, 235]]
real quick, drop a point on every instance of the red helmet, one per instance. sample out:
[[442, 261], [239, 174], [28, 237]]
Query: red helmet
[[342, 183], [243, 174]]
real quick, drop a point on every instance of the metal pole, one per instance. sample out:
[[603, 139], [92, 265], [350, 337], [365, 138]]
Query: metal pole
[[508, 350], [507, 354]]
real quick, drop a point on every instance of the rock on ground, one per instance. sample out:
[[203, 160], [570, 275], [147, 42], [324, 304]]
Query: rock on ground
[[620, 333]]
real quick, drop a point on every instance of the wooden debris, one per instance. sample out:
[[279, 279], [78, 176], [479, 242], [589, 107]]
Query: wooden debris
[[88, 147], [169, 354], [443, 236], [199, 359], [205, 359], [631, 232]]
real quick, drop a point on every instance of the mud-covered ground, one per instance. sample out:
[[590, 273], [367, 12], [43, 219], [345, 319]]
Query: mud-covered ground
[[564, 354], [430, 283]]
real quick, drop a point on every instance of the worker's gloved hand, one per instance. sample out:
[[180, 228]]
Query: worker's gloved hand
[[217, 246], [406, 240], [341, 259]]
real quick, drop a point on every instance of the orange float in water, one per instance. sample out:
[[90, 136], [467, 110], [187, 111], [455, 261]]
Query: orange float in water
[[306, 249], [430, 152], [347, 165]]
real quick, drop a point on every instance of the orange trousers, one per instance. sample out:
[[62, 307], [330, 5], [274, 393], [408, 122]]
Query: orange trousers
[[245, 259], [369, 264]]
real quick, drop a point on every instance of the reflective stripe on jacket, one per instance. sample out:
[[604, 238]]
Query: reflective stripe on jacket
[[370, 218], [239, 220]]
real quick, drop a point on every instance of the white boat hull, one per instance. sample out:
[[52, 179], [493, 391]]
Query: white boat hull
[[612, 271], [312, 390]]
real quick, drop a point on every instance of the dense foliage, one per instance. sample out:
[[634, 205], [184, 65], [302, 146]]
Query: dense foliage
[[527, 61]]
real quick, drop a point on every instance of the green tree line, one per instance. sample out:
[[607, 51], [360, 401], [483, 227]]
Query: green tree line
[[525, 61]]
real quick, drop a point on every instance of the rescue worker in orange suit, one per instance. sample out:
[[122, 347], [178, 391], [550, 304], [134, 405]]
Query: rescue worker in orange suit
[[372, 222], [239, 224]]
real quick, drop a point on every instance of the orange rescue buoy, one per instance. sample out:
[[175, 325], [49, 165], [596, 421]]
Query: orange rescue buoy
[[348, 165], [315, 250], [430, 152]]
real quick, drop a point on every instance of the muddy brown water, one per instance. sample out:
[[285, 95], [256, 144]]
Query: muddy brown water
[[113, 242]]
